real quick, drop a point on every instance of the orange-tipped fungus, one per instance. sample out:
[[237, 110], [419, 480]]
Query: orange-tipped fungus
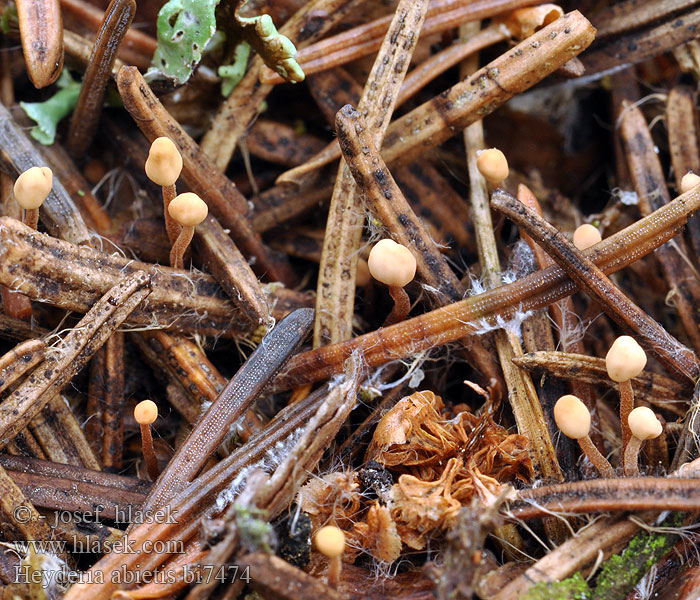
[[644, 426], [163, 167], [624, 361], [574, 420], [395, 266], [492, 164], [586, 235], [330, 541], [31, 189], [145, 413], [189, 210]]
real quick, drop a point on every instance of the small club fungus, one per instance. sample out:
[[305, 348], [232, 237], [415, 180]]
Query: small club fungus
[[395, 266], [189, 210], [574, 421], [586, 235], [31, 189], [163, 167], [624, 361], [492, 164], [145, 413], [330, 541], [689, 181], [644, 426]]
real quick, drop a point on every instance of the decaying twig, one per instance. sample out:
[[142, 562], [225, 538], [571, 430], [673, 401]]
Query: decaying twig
[[41, 30], [674, 355], [658, 390], [456, 320], [336, 283], [650, 184], [72, 353], [605, 495], [230, 404], [182, 300]]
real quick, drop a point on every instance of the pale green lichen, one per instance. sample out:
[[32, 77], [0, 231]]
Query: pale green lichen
[[184, 27], [232, 74], [275, 49]]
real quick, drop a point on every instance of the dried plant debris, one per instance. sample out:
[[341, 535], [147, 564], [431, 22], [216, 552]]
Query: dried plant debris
[[440, 458], [305, 445]]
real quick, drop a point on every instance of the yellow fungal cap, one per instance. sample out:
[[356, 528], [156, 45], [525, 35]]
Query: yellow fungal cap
[[164, 163], [330, 541], [188, 209], [492, 164], [689, 181], [145, 412], [392, 263], [586, 236], [32, 187], [643, 423], [625, 359], [572, 417]]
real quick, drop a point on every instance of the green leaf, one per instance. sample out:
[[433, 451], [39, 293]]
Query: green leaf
[[184, 27], [47, 114]]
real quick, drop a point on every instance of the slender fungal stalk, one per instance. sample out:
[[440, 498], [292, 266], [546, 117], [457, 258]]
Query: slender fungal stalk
[[402, 305], [171, 227], [180, 247], [149, 454], [31, 217], [630, 457], [599, 461], [626, 407]]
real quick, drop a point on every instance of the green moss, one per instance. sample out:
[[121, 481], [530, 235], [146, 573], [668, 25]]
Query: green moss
[[621, 572], [573, 588]]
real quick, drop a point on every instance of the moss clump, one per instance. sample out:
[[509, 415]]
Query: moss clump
[[573, 588], [621, 572]]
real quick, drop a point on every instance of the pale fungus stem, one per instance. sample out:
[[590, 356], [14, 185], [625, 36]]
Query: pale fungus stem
[[597, 459], [624, 361], [643, 426], [31, 217], [163, 167], [171, 227], [189, 210], [574, 420], [395, 266], [630, 459], [30, 190], [402, 305], [145, 413], [626, 407], [180, 247]]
